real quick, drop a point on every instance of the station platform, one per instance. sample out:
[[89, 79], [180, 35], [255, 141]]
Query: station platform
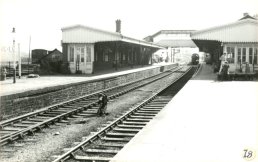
[[207, 121], [27, 84]]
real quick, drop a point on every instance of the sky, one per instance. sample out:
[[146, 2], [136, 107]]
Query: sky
[[42, 20]]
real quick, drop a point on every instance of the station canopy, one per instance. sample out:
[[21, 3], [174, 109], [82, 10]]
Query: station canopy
[[85, 34], [177, 43], [244, 30]]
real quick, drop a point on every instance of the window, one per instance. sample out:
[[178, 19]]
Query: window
[[250, 55], [123, 57], [106, 57], [71, 54], [239, 55], [243, 55], [255, 56], [117, 56], [96, 56], [78, 51], [228, 50], [88, 54], [82, 54], [230, 54]]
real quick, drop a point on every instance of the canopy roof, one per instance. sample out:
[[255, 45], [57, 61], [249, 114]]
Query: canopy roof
[[173, 32], [177, 43], [242, 31], [85, 34]]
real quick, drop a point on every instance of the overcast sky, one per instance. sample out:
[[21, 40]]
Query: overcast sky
[[43, 19]]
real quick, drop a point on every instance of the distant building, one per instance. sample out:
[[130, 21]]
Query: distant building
[[53, 56], [238, 40], [179, 45], [52, 62], [37, 54]]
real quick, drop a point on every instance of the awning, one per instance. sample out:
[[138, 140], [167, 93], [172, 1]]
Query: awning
[[242, 31], [177, 43], [85, 34]]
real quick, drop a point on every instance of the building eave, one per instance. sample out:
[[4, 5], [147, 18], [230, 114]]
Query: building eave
[[113, 36]]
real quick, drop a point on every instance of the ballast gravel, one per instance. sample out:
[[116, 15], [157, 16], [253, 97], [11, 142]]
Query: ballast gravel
[[49, 143]]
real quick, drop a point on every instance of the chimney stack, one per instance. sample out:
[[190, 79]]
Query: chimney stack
[[118, 26], [245, 14]]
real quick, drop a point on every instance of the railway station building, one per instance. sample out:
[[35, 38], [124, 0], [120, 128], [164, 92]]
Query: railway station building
[[87, 50], [238, 40]]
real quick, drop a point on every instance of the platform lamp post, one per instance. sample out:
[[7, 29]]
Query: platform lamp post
[[19, 53], [14, 62]]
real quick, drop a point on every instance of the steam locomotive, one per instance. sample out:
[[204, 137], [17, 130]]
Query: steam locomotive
[[195, 59]]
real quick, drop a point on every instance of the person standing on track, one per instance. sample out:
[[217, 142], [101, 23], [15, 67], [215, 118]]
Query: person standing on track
[[103, 100]]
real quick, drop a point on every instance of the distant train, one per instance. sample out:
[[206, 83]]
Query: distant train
[[195, 59]]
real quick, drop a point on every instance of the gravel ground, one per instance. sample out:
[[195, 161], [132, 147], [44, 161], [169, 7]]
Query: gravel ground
[[51, 141]]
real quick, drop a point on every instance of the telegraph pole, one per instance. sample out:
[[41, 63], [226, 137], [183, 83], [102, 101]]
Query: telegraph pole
[[29, 57], [14, 59], [19, 52]]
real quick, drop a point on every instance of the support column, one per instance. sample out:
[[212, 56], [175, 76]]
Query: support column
[[247, 54], [225, 48], [235, 57]]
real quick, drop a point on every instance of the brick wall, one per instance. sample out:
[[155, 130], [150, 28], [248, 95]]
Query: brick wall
[[18, 104]]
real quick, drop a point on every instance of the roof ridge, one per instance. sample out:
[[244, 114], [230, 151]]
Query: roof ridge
[[225, 25]]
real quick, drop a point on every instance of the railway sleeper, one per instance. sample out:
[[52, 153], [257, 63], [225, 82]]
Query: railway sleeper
[[130, 126], [155, 104], [89, 113], [120, 135], [144, 114], [84, 115], [91, 158], [153, 108], [165, 101], [22, 125], [48, 115], [107, 139], [111, 145], [4, 135], [10, 129], [134, 123], [61, 110], [90, 110], [70, 106], [63, 121], [101, 151], [126, 130], [81, 103], [138, 120], [54, 112], [149, 110], [162, 98], [29, 122], [36, 120], [140, 117]]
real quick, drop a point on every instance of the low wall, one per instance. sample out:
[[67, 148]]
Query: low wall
[[18, 104]]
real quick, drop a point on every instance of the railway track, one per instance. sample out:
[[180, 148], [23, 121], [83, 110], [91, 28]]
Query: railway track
[[86, 106], [106, 143]]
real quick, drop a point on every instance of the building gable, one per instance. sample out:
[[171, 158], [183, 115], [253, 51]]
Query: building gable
[[245, 30], [83, 34]]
